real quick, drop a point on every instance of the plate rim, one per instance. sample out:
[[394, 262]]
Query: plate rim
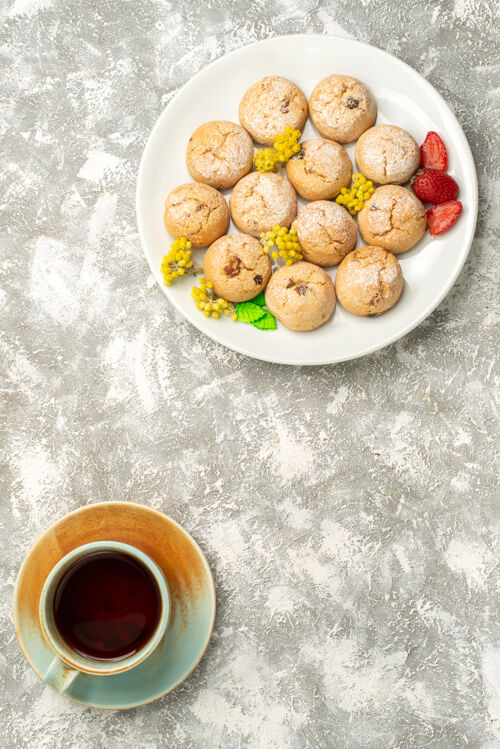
[[25, 564], [426, 312]]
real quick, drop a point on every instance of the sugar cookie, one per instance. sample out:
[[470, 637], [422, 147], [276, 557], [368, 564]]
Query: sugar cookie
[[260, 201], [197, 212], [269, 106], [369, 281], [393, 218], [387, 154], [237, 267], [320, 170], [342, 108], [219, 153], [301, 296], [326, 232]]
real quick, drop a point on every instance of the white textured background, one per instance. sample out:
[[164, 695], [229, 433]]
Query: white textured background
[[348, 512]]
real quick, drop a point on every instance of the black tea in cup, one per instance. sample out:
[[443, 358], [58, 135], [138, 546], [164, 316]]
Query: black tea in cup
[[107, 606]]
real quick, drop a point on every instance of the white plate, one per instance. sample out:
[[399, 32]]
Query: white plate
[[403, 97]]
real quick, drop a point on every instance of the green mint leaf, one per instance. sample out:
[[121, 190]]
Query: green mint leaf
[[266, 322], [249, 312], [259, 299]]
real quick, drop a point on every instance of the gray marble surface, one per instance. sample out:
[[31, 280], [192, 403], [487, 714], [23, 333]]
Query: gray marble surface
[[348, 512]]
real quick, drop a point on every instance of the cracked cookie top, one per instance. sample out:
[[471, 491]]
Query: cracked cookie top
[[219, 153], [269, 106], [369, 281], [237, 267], [393, 218], [320, 170], [261, 200], [387, 154], [326, 232], [197, 212], [342, 108], [301, 296]]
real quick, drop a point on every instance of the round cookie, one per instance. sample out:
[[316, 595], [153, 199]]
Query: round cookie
[[197, 212], [260, 200], [393, 218], [301, 296], [369, 281], [387, 154], [342, 108], [320, 170], [219, 153], [271, 105], [237, 267], [326, 232]]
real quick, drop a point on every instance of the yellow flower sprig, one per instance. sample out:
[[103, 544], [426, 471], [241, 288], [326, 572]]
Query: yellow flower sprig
[[177, 262], [209, 303], [286, 145], [354, 198], [286, 243], [266, 160]]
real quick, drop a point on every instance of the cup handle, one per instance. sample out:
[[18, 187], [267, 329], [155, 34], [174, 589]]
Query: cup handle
[[59, 675]]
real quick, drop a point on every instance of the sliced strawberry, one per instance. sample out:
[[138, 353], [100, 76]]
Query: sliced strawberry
[[435, 186], [441, 217], [433, 152]]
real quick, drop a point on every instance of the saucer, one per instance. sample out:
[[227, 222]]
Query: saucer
[[192, 593]]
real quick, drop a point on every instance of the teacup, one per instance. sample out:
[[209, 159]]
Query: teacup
[[89, 643]]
